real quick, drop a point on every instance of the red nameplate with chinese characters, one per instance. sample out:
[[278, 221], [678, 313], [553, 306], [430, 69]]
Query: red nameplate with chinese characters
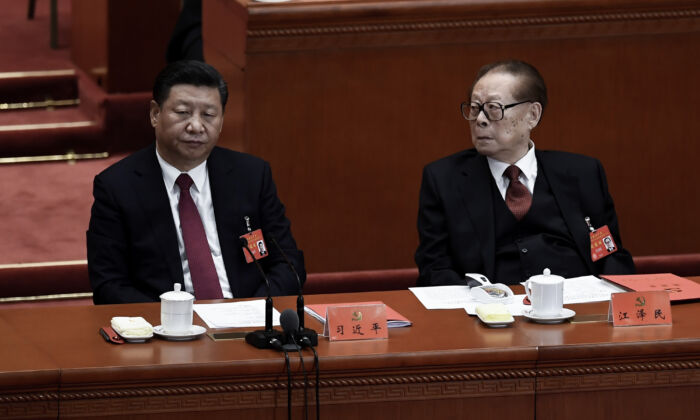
[[640, 308], [357, 322], [602, 243], [256, 244]]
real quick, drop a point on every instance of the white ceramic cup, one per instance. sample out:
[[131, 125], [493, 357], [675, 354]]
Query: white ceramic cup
[[176, 311], [546, 294]]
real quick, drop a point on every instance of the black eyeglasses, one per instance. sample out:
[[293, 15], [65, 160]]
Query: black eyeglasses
[[493, 110]]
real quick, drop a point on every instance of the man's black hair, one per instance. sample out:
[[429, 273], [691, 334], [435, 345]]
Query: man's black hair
[[188, 72]]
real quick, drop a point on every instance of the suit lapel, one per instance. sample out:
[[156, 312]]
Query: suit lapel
[[156, 207], [568, 197], [474, 189], [227, 212]]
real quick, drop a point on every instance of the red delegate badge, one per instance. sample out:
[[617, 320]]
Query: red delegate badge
[[602, 243], [256, 245]]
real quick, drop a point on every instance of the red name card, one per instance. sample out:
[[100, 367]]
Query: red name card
[[640, 308], [356, 322]]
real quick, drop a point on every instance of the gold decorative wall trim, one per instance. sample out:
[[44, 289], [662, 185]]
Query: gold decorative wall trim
[[475, 23], [47, 126], [38, 104], [43, 264], [70, 157], [37, 73], [41, 298]]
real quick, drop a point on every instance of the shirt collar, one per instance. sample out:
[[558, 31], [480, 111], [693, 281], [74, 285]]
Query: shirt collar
[[170, 173], [527, 164]]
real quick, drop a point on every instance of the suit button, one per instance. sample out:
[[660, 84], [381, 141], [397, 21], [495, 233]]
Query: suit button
[[524, 250]]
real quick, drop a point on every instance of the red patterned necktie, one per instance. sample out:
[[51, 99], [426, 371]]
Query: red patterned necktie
[[202, 270], [518, 197]]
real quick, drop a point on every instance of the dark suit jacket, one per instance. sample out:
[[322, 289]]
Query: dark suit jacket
[[132, 243], [456, 216]]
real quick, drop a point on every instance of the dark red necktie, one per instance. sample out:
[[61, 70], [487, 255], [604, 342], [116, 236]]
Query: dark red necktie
[[202, 270], [518, 197]]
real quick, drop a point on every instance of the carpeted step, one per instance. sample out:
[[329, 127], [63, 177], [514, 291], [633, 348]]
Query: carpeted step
[[38, 89], [50, 132]]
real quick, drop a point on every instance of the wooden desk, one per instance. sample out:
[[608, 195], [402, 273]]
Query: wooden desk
[[447, 365]]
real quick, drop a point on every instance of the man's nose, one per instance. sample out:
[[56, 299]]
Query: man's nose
[[195, 124], [481, 119]]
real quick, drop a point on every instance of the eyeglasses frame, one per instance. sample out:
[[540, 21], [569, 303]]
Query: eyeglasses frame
[[481, 109]]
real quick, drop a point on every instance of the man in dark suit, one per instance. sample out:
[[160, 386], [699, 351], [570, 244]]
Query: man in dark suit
[[143, 237], [504, 209]]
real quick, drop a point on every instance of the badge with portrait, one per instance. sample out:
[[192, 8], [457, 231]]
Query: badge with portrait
[[602, 243], [256, 245]]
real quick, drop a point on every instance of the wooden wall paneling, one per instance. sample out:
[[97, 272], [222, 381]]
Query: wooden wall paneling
[[88, 46], [138, 38], [349, 100], [122, 43]]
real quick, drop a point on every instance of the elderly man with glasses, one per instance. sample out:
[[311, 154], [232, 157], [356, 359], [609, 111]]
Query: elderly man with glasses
[[507, 210]]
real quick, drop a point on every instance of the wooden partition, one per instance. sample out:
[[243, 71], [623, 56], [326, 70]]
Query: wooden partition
[[348, 100], [121, 43]]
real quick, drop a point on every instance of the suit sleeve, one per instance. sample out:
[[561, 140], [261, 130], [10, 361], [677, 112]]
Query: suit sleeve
[[107, 250], [433, 258], [621, 261], [275, 224]]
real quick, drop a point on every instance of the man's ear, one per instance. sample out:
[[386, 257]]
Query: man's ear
[[154, 112], [534, 114]]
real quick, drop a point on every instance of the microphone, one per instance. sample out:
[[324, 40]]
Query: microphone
[[262, 339], [290, 325], [301, 331]]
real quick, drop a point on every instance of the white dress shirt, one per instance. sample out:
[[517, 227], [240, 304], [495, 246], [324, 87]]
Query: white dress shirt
[[201, 195], [528, 171]]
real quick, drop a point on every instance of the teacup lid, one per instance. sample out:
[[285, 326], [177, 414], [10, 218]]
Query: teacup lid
[[177, 294], [547, 276]]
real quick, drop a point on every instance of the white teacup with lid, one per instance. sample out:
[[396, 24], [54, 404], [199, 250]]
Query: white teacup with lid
[[546, 294], [176, 311]]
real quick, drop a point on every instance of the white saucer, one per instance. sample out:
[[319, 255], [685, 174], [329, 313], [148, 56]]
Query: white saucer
[[563, 316], [194, 332]]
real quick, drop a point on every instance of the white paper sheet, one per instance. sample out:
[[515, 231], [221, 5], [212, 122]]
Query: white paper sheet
[[588, 289], [249, 313], [458, 297], [443, 297], [576, 290]]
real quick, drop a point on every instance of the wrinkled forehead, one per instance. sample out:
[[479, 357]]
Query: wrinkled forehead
[[496, 85]]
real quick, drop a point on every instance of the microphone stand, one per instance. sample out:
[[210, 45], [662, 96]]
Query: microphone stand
[[290, 326], [262, 339], [302, 332]]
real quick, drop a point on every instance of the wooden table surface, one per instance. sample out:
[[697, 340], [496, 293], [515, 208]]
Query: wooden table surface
[[54, 362]]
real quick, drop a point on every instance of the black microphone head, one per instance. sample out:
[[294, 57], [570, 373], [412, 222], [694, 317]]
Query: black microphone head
[[289, 320]]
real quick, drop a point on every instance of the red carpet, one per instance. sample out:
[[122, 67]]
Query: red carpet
[[25, 43], [45, 207], [46, 210]]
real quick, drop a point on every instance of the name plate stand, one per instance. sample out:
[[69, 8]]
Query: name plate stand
[[356, 322], [640, 308]]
